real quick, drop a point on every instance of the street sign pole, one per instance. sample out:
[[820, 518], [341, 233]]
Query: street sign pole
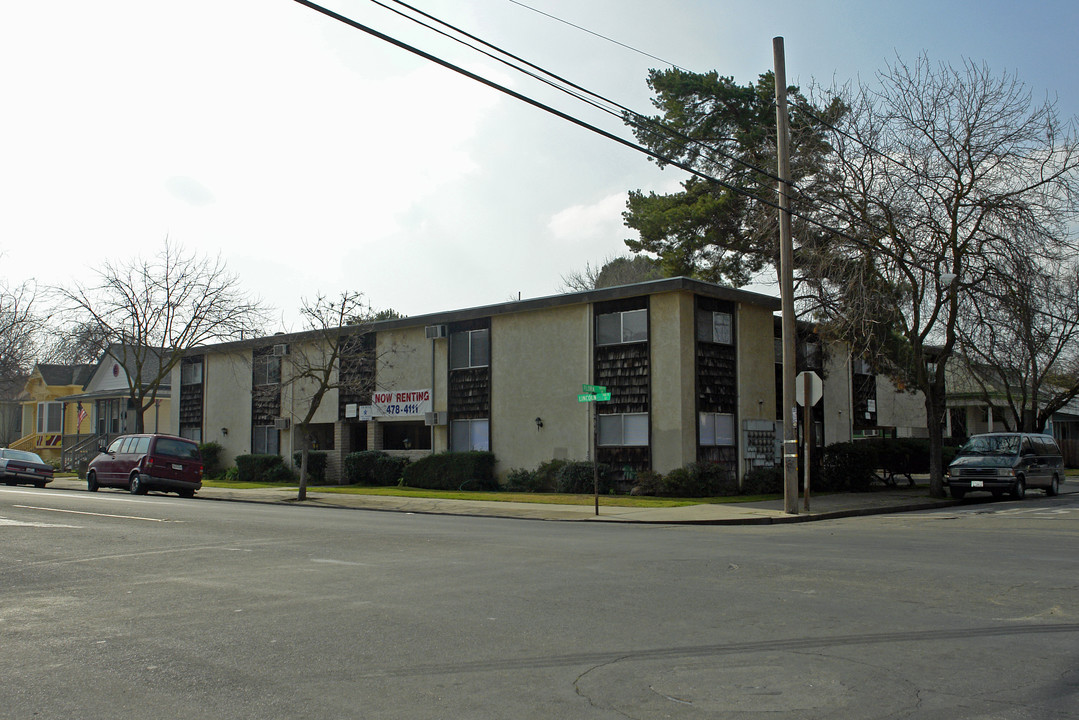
[[594, 394], [595, 454]]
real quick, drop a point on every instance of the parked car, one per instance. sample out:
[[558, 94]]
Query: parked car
[[21, 466], [1006, 462], [147, 462]]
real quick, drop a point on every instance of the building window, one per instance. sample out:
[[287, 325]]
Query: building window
[[622, 327], [264, 440], [470, 349], [623, 430], [266, 370], [191, 432], [50, 417], [412, 435], [860, 366], [471, 435], [191, 373], [717, 429], [715, 327]]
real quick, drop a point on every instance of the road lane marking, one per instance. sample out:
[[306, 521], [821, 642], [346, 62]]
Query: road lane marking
[[111, 497], [5, 522], [81, 512]]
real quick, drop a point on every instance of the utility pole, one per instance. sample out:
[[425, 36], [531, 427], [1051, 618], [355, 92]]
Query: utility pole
[[786, 286]]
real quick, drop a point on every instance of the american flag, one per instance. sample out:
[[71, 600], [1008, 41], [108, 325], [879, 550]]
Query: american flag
[[82, 416]]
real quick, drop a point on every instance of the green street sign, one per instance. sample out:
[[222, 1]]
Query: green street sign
[[593, 389], [594, 397]]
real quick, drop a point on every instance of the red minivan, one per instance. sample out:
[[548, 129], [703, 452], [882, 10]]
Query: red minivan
[[147, 462]]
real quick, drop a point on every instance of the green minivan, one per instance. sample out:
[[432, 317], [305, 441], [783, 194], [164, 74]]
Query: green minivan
[[1006, 462]]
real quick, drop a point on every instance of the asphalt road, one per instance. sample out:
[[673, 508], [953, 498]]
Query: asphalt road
[[113, 606]]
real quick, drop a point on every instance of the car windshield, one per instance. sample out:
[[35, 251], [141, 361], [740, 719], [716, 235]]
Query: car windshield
[[21, 455], [991, 445]]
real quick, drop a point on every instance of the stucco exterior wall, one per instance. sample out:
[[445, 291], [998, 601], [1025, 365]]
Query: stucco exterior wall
[[226, 402], [297, 392], [836, 395], [539, 360], [756, 363], [905, 411], [674, 422]]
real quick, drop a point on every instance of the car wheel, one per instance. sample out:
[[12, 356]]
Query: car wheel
[[1054, 486], [91, 482], [137, 487], [187, 493], [957, 493], [8, 483], [1019, 490], [39, 484]]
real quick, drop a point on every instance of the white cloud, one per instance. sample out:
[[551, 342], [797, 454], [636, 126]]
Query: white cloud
[[601, 219]]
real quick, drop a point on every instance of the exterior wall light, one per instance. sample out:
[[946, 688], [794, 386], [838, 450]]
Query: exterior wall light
[[539, 423]]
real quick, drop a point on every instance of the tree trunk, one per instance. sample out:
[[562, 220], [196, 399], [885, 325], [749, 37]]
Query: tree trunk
[[303, 464], [936, 446]]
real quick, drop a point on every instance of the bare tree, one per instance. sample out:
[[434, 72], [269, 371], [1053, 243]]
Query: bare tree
[[942, 172], [334, 354], [18, 331], [1020, 343], [82, 343], [153, 311], [615, 271]]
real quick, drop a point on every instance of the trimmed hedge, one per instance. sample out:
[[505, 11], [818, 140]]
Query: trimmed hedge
[[263, 468], [699, 480], [763, 481], [848, 466], [453, 471], [373, 467], [316, 464], [211, 459], [578, 478]]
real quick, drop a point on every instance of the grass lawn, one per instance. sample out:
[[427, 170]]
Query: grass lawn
[[547, 498]]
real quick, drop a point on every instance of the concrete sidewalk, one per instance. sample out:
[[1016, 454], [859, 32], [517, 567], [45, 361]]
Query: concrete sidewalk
[[878, 500]]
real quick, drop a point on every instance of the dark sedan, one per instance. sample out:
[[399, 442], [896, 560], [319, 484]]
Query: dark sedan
[[20, 466]]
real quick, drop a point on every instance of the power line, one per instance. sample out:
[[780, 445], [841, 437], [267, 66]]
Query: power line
[[558, 113], [629, 115], [602, 37]]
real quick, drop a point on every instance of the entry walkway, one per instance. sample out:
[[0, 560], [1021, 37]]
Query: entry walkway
[[836, 505]]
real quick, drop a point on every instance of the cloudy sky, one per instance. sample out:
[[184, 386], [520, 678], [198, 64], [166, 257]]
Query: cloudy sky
[[315, 158]]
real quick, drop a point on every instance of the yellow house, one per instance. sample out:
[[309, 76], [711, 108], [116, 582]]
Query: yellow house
[[45, 417]]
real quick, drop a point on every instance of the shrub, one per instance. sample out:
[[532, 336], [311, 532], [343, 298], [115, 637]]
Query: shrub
[[231, 474], [546, 475], [211, 459], [281, 473], [578, 478], [763, 481], [520, 480], [260, 468], [699, 480], [648, 482], [316, 464], [453, 471], [373, 467], [848, 466]]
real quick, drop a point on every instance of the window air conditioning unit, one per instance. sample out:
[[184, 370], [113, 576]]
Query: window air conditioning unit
[[435, 331], [280, 423], [280, 350]]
